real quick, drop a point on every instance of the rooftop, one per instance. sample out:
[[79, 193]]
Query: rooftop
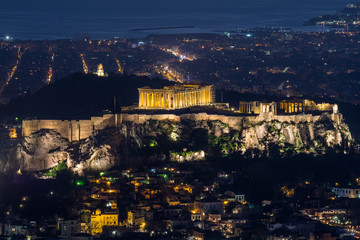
[[183, 86]]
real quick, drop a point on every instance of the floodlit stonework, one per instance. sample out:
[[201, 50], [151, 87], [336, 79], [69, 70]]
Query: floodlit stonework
[[183, 96], [76, 130], [291, 106], [176, 97]]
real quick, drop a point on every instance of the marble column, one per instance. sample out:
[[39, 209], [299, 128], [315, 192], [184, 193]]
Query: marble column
[[163, 100], [140, 99]]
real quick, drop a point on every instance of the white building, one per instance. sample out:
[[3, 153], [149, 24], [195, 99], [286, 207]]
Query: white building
[[69, 228], [346, 192]]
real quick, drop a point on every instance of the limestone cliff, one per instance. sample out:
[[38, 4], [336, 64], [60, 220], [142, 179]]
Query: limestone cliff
[[133, 143]]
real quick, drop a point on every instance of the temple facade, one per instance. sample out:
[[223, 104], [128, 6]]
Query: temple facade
[[289, 106], [257, 107], [176, 97]]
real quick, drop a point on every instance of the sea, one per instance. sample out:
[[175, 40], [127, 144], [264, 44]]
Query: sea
[[107, 19]]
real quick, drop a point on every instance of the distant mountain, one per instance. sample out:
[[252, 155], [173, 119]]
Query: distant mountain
[[80, 96]]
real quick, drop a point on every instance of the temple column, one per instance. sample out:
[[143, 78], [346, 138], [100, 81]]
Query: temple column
[[174, 101], [140, 99], [209, 95], [163, 100], [166, 99], [171, 101], [160, 100], [182, 100], [206, 96], [177, 101]]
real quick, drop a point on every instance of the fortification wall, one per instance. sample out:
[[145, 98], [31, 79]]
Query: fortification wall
[[75, 130]]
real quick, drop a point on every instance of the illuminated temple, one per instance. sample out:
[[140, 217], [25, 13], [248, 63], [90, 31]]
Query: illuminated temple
[[177, 96], [289, 106]]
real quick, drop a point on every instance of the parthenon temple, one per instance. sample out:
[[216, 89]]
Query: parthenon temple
[[177, 96]]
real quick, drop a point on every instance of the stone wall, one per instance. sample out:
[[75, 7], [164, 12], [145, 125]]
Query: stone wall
[[75, 130]]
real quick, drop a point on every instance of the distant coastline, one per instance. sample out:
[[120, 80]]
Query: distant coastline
[[158, 28], [115, 20]]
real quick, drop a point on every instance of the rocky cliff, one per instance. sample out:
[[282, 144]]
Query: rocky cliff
[[157, 140]]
